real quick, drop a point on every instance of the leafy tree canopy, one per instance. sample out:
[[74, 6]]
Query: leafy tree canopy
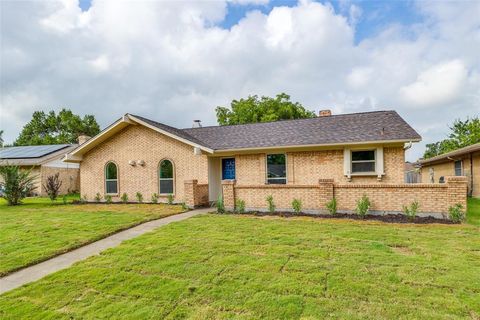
[[51, 128], [1, 138], [254, 109], [463, 134]]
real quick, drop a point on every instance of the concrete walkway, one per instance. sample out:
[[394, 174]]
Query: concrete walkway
[[65, 260]]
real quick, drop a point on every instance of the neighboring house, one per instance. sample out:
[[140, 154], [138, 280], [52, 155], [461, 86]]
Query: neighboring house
[[461, 162], [44, 161], [314, 160], [412, 172]]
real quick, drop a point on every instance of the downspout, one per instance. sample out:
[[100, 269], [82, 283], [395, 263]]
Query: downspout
[[471, 174]]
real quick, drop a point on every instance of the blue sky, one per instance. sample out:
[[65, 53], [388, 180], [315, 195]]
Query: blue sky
[[376, 15]]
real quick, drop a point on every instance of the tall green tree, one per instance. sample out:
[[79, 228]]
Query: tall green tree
[[254, 109], [1, 138], [463, 134], [52, 128]]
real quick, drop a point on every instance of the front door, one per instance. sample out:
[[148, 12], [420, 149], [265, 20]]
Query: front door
[[228, 169]]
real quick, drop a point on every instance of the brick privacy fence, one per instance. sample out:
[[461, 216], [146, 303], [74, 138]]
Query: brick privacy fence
[[434, 199], [196, 195]]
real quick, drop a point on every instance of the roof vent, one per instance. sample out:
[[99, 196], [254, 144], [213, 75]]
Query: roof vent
[[197, 124], [325, 113]]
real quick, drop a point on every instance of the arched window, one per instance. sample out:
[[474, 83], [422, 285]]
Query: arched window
[[165, 174], [111, 178]]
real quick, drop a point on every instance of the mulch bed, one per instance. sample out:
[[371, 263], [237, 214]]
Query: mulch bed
[[390, 218]]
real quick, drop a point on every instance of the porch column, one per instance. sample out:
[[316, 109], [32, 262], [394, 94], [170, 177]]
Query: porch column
[[189, 191], [228, 194], [456, 191]]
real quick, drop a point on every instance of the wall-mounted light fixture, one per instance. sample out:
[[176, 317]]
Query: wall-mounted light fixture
[[141, 162], [132, 163]]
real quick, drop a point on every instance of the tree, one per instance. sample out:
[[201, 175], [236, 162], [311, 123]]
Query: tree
[[56, 129], [264, 109], [463, 134], [1, 138], [17, 184]]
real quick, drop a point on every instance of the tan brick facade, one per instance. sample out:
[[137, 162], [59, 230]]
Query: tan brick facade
[[433, 198], [70, 178], [140, 143], [196, 195]]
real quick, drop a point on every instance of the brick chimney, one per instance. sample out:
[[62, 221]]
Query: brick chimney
[[82, 139], [325, 113]]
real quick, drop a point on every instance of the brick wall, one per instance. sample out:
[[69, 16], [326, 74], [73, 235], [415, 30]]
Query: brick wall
[[433, 198], [70, 178], [139, 143]]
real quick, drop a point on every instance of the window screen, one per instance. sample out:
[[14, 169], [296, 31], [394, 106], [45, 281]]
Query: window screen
[[458, 168], [363, 161]]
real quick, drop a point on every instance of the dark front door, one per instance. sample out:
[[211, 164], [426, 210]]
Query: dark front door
[[228, 169]]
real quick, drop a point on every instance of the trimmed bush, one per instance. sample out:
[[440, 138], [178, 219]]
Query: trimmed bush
[[124, 198], [332, 206], [84, 199], [108, 198], [240, 206], [411, 212], [170, 199], [456, 213], [363, 205], [271, 205], [297, 205], [139, 197], [18, 184], [98, 197], [155, 198], [52, 187]]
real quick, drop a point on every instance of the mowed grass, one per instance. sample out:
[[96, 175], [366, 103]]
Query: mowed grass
[[243, 267], [38, 229], [473, 214]]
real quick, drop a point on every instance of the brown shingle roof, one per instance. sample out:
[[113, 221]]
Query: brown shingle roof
[[336, 129], [465, 150]]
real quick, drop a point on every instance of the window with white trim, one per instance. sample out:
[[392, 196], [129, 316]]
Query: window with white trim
[[276, 168], [363, 161], [111, 178], [458, 168], [165, 175]]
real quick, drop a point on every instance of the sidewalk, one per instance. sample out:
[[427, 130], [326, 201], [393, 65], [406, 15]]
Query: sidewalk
[[65, 260]]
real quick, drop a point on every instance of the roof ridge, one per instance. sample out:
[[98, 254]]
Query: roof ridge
[[287, 120]]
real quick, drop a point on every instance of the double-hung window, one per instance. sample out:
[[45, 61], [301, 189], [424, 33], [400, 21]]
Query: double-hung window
[[363, 161], [165, 175], [458, 168], [111, 178], [276, 168]]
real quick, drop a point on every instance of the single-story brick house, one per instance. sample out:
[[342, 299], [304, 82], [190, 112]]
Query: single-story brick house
[[44, 161], [461, 162], [342, 156]]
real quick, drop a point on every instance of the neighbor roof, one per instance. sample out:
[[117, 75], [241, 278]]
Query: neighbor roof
[[30, 152], [336, 129], [459, 152]]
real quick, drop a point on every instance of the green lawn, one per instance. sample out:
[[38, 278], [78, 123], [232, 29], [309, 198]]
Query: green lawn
[[473, 214], [214, 267], [38, 229]]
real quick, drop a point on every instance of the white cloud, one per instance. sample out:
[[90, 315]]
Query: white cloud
[[170, 61], [438, 84]]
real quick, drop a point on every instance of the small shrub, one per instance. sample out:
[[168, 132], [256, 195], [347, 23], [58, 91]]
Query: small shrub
[[332, 206], [52, 186], [184, 206], [124, 198], [64, 199], [139, 197], [297, 205], [154, 198], [170, 199], [84, 199], [411, 212], [240, 206], [363, 205], [17, 184], [456, 213], [220, 205], [98, 197], [108, 198], [271, 205]]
